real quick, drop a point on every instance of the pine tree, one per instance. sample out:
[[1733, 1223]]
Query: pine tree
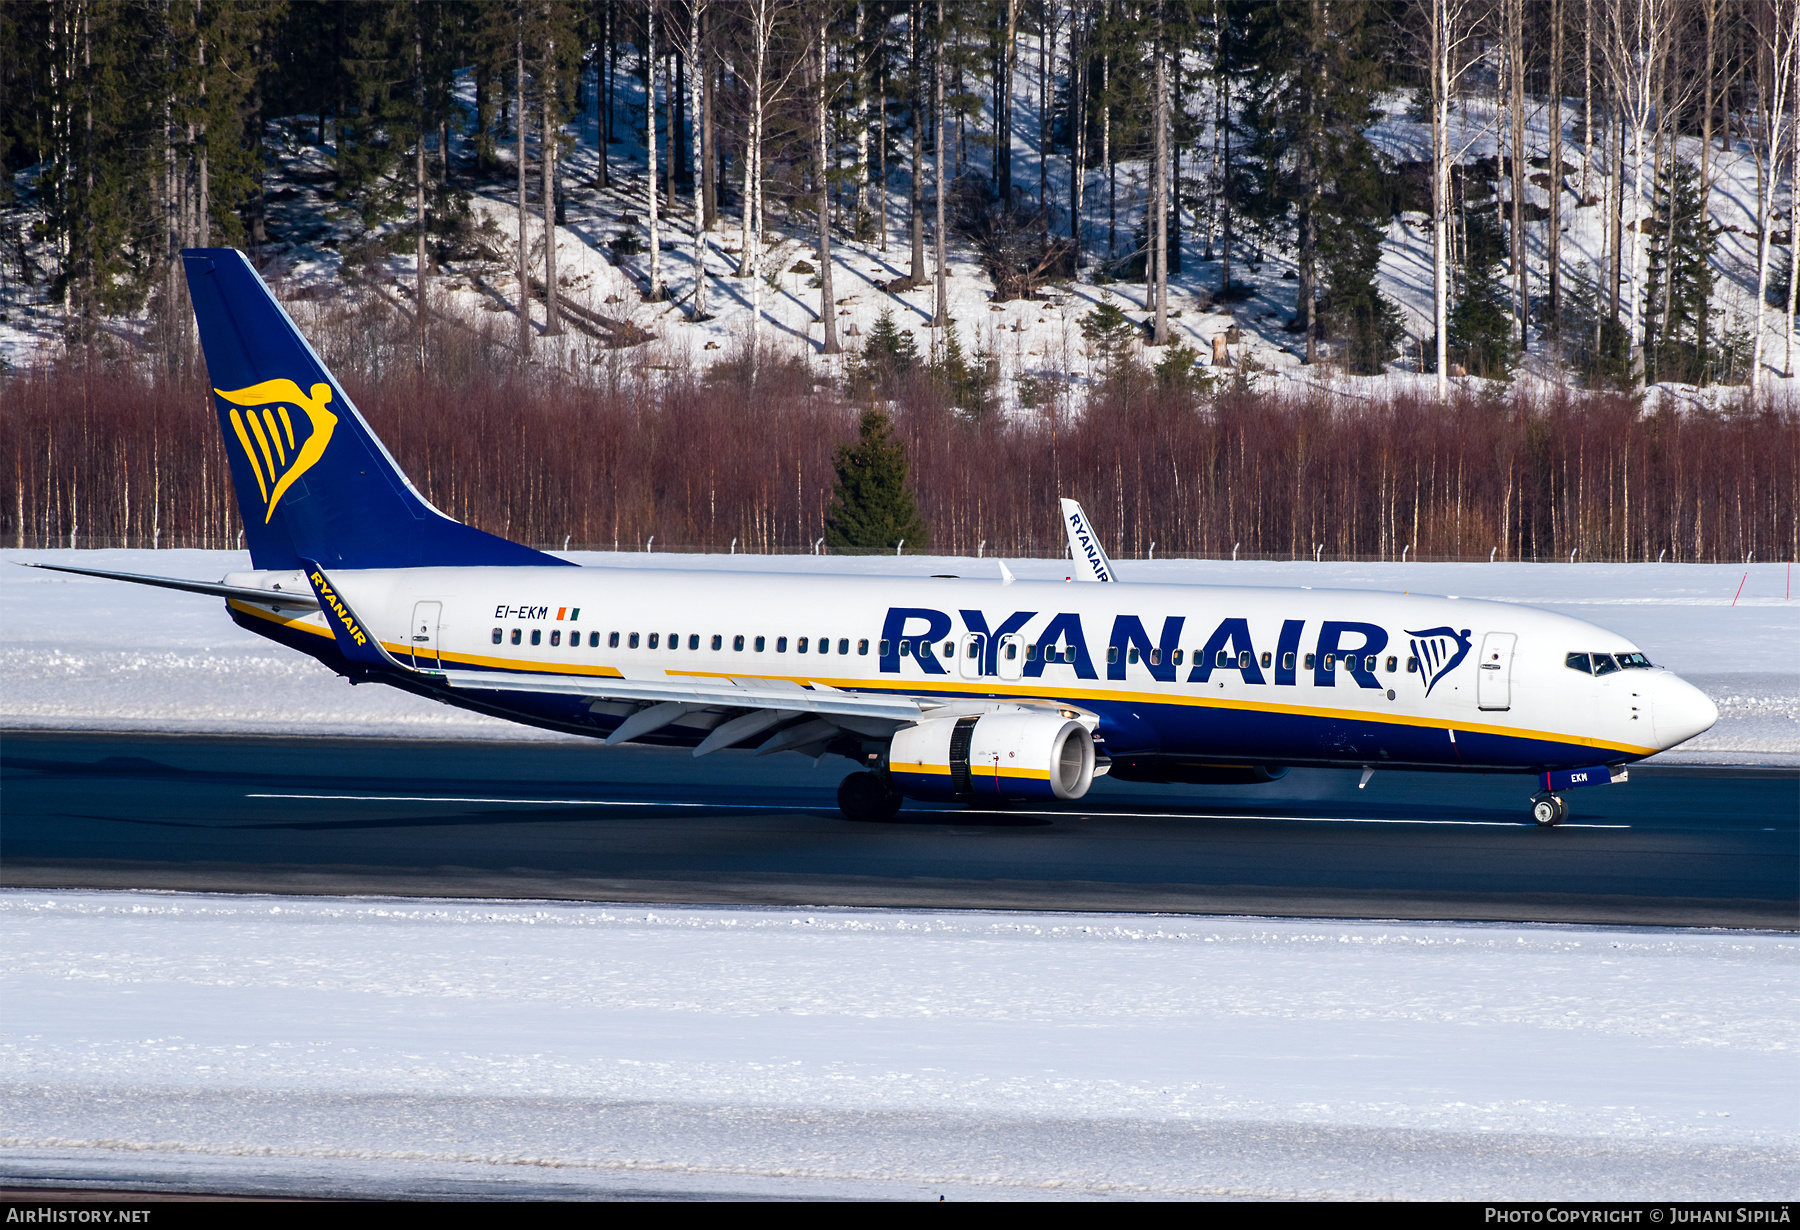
[[871, 506], [1110, 332]]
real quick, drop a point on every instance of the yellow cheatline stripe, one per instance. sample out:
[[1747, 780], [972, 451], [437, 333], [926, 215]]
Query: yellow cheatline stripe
[[525, 667], [269, 419], [237, 425], [991, 687], [975, 770]]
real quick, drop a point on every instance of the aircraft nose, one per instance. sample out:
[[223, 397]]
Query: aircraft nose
[[1679, 710]]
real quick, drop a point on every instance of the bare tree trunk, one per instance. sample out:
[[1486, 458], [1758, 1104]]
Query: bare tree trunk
[[701, 149], [1553, 234], [1516, 78], [1440, 34], [941, 314], [524, 206], [1793, 227], [917, 273], [653, 184], [1078, 147], [419, 183], [881, 141], [1003, 119], [203, 202], [1777, 33], [862, 129], [821, 148], [1106, 157], [552, 318], [1587, 94], [1159, 192], [1046, 48]]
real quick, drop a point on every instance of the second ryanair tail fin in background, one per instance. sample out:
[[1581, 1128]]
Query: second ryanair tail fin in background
[[1091, 563], [313, 482]]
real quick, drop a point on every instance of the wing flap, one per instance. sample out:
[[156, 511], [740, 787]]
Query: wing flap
[[749, 694]]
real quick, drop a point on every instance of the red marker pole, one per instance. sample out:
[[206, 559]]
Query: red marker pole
[[1740, 592]]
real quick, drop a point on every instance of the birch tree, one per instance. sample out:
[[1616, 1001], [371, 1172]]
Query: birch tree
[[1451, 31], [1775, 28], [1637, 37], [698, 68], [653, 188], [822, 170]]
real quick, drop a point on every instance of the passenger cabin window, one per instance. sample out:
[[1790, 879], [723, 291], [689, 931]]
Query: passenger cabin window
[[556, 637], [800, 645], [497, 636], [1012, 651], [612, 640], [844, 645], [1031, 653], [718, 642], [516, 635], [1369, 664], [631, 642], [694, 641], [760, 642], [1412, 666], [862, 648], [1156, 657], [1287, 662], [1131, 655], [1175, 658], [780, 644], [905, 648], [1393, 664], [655, 640], [1310, 660], [537, 636], [1222, 658], [1265, 659], [674, 640], [737, 643], [594, 640], [1578, 662]]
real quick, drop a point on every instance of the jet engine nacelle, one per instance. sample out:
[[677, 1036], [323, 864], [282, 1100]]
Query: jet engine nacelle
[[993, 756]]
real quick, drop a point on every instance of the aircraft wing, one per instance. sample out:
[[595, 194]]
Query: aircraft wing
[[704, 692]]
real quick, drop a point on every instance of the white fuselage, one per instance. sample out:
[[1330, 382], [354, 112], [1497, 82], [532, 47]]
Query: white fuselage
[[1279, 676]]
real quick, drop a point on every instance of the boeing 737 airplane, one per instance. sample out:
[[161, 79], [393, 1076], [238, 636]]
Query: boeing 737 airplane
[[939, 688]]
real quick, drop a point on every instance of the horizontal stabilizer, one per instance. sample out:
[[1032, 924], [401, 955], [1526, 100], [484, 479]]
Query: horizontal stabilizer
[[298, 601]]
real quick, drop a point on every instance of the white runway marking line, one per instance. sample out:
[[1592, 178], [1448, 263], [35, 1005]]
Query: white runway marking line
[[1096, 815]]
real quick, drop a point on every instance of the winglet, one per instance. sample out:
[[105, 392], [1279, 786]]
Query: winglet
[[1091, 563], [355, 640], [1006, 576]]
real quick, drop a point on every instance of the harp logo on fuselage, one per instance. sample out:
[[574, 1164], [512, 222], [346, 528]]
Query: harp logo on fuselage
[[264, 426]]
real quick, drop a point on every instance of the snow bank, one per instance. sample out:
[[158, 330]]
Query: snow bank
[[83, 653], [857, 1048]]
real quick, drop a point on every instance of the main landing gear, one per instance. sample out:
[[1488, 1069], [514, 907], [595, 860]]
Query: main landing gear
[[1549, 810], [867, 796]]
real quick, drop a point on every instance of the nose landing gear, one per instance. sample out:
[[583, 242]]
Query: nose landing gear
[[1549, 810]]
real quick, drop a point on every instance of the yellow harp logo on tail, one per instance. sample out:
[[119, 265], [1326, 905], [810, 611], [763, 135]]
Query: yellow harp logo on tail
[[266, 430]]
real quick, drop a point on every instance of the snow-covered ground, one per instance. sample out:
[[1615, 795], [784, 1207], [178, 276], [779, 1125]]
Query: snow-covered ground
[[407, 1046], [77, 652]]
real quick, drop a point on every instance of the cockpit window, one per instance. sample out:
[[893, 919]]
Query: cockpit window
[[1604, 664], [1633, 661], [1578, 662]]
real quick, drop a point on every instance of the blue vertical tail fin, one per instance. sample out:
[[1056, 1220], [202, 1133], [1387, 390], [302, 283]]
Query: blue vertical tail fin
[[313, 482]]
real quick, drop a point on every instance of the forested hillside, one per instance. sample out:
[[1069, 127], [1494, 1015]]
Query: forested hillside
[[1008, 212]]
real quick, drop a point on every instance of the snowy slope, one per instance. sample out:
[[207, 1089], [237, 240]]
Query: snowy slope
[[566, 1048], [1027, 338], [78, 652]]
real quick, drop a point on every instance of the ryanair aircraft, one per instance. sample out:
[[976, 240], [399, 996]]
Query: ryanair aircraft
[[982, 690]]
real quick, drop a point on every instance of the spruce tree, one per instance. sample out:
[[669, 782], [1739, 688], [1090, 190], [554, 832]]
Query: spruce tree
[[1677, 315], [871, 506], [1481, 323]]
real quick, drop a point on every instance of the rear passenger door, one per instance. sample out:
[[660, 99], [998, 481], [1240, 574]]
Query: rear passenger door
[[424, 634]]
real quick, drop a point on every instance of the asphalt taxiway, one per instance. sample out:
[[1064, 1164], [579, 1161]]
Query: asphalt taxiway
[[1677, 845]]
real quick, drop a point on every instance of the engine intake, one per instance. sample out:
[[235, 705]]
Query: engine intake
[[993, 756]]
